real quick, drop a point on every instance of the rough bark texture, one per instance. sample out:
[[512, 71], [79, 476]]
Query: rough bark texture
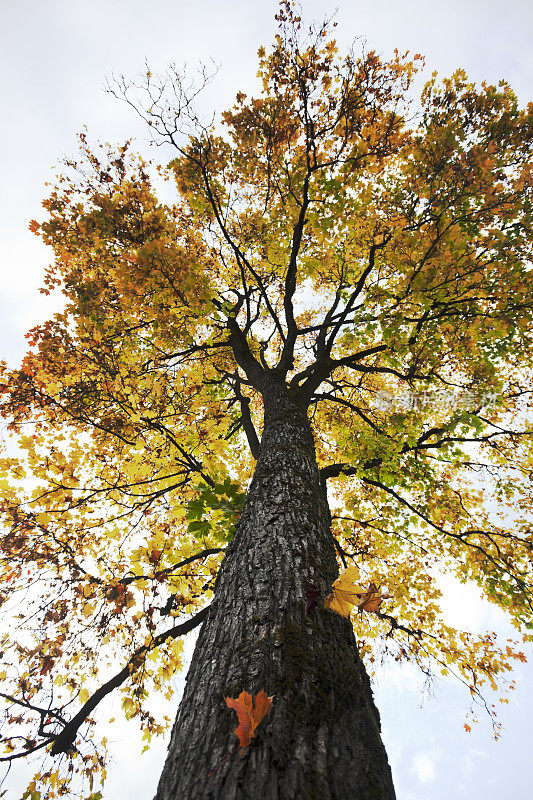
[[321, 740]]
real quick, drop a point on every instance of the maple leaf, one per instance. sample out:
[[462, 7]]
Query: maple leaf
[[345, 593], [312, 596], [371, 600], [48, 663], [250, 714]]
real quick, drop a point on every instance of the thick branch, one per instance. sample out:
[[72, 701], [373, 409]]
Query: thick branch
[[244, 356], [323, 368], [247, 424], [324, 364], [239, 255], [325, 349]]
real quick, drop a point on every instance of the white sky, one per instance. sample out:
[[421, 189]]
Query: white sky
[[55, 57]]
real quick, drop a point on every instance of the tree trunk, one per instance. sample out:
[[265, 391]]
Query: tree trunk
[[321, 739]]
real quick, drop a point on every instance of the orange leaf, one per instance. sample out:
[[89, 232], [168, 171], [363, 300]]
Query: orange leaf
[[249, 714]]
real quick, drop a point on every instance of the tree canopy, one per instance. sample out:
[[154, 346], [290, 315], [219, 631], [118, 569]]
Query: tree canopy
[[367, 248]]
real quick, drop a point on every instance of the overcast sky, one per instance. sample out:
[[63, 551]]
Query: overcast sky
[[55, 58]]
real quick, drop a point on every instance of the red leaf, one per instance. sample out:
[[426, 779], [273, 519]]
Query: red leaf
[[312, 596]]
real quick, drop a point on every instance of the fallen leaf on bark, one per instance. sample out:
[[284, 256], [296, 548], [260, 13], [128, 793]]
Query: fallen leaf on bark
[[249, 713]]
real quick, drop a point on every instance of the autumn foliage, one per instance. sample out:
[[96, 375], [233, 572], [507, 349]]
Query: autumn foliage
[[373, 253]]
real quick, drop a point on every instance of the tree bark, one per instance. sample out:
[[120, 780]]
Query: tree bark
[[321, 739]]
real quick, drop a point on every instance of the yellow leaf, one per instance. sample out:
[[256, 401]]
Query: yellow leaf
[[345, 593], [129, 707], [88, 609]]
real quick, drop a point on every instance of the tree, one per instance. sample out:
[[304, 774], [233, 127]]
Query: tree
[[349, 275]]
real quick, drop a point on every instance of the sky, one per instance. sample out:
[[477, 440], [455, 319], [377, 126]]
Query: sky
[[55, 57]]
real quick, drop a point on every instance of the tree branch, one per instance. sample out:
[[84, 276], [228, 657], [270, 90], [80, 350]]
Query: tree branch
[[287, 356], [247, 424], [64, 740]]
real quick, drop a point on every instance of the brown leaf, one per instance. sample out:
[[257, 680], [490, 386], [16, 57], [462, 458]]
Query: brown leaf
[[48, 663], [371, 600]]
